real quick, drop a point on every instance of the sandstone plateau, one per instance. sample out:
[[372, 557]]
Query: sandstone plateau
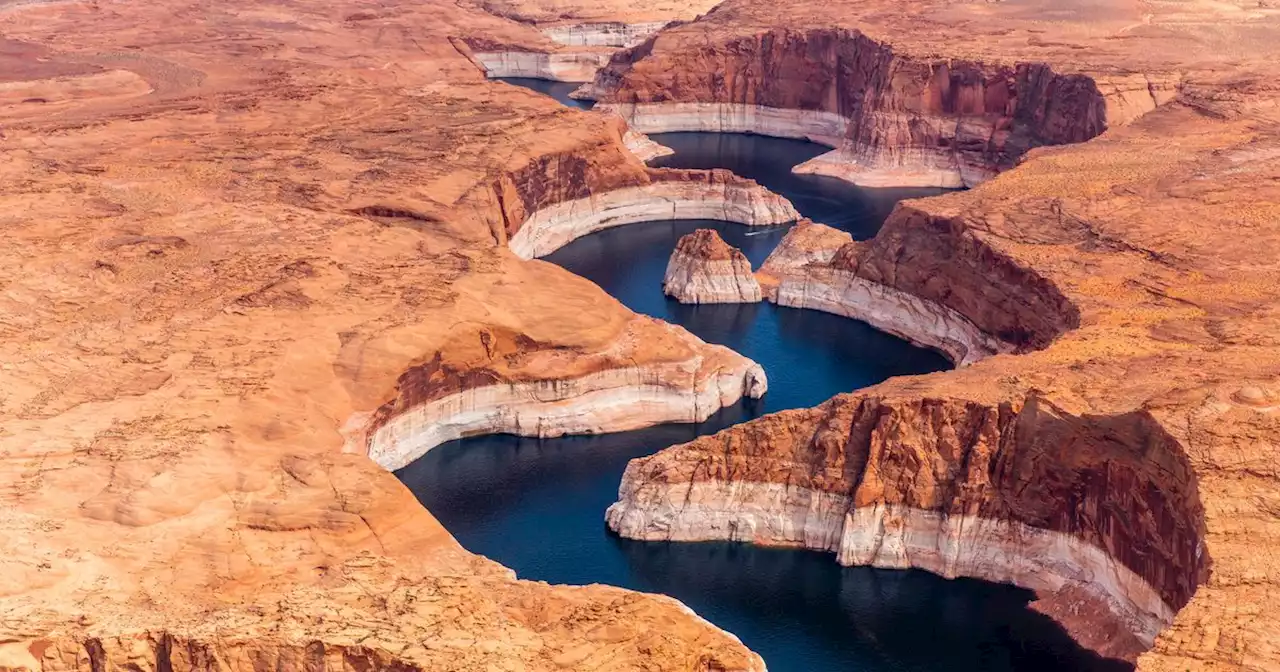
[[705, 269], [241, 237]]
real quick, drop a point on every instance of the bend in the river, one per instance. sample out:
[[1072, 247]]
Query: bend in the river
[[536, 505]]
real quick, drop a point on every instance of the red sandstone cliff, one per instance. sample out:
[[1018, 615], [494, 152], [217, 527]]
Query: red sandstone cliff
[[896, 118]]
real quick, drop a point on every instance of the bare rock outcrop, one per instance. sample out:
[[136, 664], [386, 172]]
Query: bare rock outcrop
[[817, 267], [705, 269], [1105, 461], [229, 261], [494, 382], [1022, 493], [894, 111], [658, 194], [227, 241]]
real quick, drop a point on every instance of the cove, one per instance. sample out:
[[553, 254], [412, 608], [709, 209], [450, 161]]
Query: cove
[[537, 506]]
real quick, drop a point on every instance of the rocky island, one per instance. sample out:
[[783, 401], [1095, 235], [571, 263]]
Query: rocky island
[[257, 253], [705, 269]]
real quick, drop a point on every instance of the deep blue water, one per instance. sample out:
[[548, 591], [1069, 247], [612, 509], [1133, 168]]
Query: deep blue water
[[537, 506]]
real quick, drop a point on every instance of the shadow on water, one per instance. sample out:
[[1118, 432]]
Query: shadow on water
[[537, 506], [558, 90]]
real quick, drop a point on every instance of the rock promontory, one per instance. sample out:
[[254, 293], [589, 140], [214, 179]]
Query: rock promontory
[[705, 269]]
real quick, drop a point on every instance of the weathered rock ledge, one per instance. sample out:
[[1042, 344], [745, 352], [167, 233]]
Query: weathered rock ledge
[[893, 118], [435, 402], [951, 487], [1117, 464], [644, 147], [555, 66], [604, 34], [231, 253], [705, 269], [668, 195], [816, 267]]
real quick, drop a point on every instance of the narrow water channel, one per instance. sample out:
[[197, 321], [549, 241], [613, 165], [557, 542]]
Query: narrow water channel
[[537, 506]]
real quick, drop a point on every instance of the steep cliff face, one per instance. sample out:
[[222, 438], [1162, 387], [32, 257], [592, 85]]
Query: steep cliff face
[[604, 34], [892, 119], [1024, 493], [705, 269], [663, 194], [297, 236], [939, 259], [553, 66], [922, 281], [507, 383]]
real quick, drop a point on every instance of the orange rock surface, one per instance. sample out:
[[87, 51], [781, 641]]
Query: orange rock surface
[[228, 230], [1137, 272], [231, 227]]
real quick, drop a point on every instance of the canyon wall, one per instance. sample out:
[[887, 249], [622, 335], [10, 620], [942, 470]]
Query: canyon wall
[[605, 34], [668, 195], [892, 119], [1020, 493], [436, 402], [920, 279], [705, 269], [937, 258], [554, 66]]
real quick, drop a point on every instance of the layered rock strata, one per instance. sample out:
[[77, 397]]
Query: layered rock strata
[[554, 66], [1106, 465], [1024, 493], [705, 269], [816, 267], [234, 250], [643, 147], [609, 34], [668, 195], [441, 400], [206, 275], [893, 117]]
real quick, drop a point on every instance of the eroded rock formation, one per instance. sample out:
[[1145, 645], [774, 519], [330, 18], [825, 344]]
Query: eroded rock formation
[[558, 67], [573, 40], [667, 194], [1020, 493], [1097, 465], [510, 384], [231, 258], [226, 239], [895, 114], [643, 147], [705, 269], [817, 267]]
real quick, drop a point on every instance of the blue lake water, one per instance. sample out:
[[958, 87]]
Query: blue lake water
[[537, 506]]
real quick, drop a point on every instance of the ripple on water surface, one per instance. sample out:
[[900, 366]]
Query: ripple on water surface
[[537, 506]]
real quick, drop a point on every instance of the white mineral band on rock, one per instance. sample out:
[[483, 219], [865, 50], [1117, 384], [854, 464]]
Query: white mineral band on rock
[[921, 321], [605, 34], [609, 401], [558, 67], [553, 227], [886, 536]]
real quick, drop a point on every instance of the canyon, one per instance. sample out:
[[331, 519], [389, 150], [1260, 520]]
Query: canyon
[[954, 472], [251, 247], [894, 111]]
